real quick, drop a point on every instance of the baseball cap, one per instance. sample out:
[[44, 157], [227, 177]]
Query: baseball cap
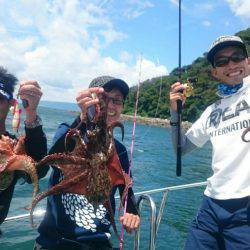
[[5, 92], [222, 42], [109, 83]]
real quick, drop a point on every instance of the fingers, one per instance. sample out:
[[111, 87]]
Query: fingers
[[85, 98], [177, 87], [130, 222], [176, 94], [29, 89], [88, 93], [31, 82]]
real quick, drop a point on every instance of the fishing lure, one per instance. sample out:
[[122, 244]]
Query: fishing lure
[[189, 90], [16, 112]]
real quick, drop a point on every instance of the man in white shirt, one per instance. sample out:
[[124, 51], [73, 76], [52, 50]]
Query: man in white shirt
[[223, 220]]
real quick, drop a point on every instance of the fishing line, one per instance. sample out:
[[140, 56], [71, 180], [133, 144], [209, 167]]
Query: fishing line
[[131, 148], [157, 108]]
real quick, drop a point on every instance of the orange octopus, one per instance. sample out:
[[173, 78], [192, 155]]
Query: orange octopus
[[243, 137], [92, 168], [13, 157]]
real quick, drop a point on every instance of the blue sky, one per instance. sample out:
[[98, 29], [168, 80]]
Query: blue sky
[[64, 44]]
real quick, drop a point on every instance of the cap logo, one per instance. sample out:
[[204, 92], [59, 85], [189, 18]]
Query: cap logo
[[4, 94], [222, 39]]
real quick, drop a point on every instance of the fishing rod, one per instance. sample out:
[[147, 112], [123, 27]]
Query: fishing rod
[[179, 106]]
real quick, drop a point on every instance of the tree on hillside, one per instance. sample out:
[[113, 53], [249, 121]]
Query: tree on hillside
[[205, 90]]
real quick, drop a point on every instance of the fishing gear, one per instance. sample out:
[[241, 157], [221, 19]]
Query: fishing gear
[[16, 112], [187, 92], [25, 103], [189, 86], [179, 105]]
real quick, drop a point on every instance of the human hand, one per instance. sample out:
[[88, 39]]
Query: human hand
[[30, 91], [175, 94], [130, 222], [84, 99]]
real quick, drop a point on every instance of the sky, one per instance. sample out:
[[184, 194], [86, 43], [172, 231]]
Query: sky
[[64, 44]]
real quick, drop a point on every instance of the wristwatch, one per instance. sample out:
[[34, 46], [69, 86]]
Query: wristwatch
[[34, 124]]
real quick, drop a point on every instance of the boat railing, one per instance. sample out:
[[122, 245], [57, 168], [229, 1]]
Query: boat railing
[[155, 219], [152, 205]]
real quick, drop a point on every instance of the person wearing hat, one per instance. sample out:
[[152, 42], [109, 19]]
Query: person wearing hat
[[35, 140], [71, 222], [223, 220]]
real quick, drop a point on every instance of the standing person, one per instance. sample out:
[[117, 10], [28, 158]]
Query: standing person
[[223, 220], [71, 222], [35, 140]]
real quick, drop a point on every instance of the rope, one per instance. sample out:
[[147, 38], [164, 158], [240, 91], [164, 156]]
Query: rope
[[131, 149]]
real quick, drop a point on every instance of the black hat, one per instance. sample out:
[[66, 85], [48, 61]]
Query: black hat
[[222, 42], [108, 83], [5, 92]]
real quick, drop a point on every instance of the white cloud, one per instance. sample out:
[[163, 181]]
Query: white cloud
[[125, 56], [240, 8], [61, 44], [135, 8]]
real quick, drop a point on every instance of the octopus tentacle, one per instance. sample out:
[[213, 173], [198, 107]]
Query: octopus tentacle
[[20, 146], [108, 206], [2, 167], [74, 134], [61, 158], [128, 184], [26, 164], [57, 189], [116, 124], [13, 157]]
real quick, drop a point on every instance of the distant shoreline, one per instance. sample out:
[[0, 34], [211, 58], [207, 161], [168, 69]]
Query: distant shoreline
[[157, 122]]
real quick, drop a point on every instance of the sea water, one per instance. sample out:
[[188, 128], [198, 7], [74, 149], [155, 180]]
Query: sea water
[[153, 167]]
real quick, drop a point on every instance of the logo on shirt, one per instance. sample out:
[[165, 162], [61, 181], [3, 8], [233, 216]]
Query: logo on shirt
[[220, 115], [82, 212]]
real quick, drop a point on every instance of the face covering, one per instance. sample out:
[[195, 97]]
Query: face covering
[[226, 90]]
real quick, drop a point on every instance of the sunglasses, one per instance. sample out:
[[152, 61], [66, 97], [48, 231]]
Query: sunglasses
[[224, 60], [116, 101]]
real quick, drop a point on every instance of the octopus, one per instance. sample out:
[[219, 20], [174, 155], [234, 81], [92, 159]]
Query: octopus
[[92, 168], [14, 157], [243, 136]]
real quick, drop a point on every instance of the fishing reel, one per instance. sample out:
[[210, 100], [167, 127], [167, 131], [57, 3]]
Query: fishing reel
[[189, 86]]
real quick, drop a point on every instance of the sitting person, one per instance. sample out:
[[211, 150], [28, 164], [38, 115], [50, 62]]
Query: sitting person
[[71, 222]]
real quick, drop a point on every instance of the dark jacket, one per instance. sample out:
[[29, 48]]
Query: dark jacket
[[36, 147], [71, 216]]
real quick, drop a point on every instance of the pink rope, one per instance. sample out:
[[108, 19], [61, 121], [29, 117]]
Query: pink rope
[[131, 157]]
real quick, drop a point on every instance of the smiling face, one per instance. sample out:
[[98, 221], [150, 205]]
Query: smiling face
[[233, 72], [115, 105]]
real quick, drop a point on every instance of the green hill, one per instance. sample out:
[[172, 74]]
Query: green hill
[[205, 90]]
